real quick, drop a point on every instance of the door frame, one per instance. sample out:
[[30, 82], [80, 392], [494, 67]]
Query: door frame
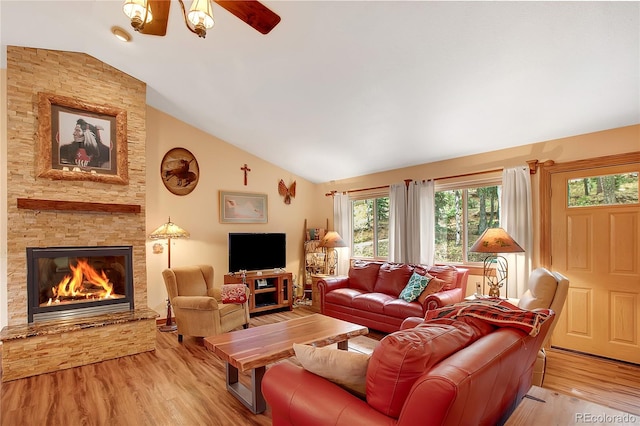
[[546, 173]]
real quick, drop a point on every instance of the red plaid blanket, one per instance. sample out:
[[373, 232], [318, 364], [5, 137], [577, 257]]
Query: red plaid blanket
[[494, 311]]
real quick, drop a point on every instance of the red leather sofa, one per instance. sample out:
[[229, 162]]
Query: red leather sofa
[[441, 372], [369, 294]]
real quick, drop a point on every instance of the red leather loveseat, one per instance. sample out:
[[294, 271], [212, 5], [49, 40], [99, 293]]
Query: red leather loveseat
[[462, 371], [369, 295]]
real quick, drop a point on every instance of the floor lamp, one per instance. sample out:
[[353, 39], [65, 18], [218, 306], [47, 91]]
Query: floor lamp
[[493, 241], [330, 241], [166, 232]]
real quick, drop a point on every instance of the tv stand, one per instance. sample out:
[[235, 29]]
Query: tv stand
[[270, 290]]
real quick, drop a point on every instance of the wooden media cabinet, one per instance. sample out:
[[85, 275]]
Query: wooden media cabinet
[[270, 290]]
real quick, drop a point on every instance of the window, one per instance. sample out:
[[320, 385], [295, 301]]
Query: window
[[462, 215], [603, 190], [370, 227]]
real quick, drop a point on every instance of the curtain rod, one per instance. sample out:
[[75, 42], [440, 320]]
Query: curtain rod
[[533, 167], [407, 181]]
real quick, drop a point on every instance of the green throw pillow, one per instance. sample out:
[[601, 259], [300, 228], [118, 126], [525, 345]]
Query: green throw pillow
[[414, 287]]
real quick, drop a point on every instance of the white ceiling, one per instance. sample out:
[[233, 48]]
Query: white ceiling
[[345, 88]]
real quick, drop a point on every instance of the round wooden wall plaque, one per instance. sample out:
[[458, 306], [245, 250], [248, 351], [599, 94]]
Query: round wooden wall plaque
[[179, 171]]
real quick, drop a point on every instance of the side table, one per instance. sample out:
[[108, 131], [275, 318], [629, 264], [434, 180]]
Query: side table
[[315, 294], [476, 297]]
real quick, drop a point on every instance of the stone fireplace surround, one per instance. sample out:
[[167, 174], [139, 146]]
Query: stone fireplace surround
[[36, 348], [32, 349], [29, 349]]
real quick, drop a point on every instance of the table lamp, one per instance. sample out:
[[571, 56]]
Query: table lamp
[[166, 232], [329, 242], [494, 241]]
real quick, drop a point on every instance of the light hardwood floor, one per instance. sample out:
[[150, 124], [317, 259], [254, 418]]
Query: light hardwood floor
[[605, 382], [183, 384]]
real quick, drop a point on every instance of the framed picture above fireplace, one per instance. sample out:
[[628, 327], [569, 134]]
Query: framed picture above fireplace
[[78, 140]]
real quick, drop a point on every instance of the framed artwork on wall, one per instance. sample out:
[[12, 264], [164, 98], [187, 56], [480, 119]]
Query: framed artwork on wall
[[78, 140], [179, 170], [243, 207]]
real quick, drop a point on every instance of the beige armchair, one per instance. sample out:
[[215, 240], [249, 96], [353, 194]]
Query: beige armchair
[[547, 290], [198, 306]]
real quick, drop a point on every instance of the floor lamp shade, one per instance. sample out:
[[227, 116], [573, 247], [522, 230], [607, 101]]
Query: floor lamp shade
[[329, 242], [168, 231], [496, 268]]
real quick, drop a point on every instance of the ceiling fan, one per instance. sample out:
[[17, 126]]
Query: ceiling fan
[[151, 16]]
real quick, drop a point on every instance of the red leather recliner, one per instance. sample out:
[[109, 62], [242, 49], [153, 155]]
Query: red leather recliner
[[479, 383]]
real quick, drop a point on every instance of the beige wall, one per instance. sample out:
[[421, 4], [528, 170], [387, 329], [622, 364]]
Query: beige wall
[[198, 213], [220, 169]]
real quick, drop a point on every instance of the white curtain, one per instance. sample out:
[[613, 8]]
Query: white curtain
[[420, 218], [342, 225], [427, 198], [517, 219], [411, 222], [398, 250]]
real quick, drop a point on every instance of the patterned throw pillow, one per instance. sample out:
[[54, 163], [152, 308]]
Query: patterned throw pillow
[[234, 293], [447, 273], [414, 287], [434, 286]]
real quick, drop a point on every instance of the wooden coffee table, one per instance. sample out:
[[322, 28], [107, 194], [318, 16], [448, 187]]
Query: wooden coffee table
[[254, 348]]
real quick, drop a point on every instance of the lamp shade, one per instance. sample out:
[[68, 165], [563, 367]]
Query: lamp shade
[[136, 9], [495, 240], [201, 14], [168, 230], [331, 240]]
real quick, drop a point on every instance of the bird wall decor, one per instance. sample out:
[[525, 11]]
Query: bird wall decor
[[287, 193]]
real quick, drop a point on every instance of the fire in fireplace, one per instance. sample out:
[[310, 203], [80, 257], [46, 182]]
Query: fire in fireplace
[[78, 281]]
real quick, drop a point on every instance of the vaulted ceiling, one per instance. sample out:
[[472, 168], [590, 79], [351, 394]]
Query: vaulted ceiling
[[344, 88]]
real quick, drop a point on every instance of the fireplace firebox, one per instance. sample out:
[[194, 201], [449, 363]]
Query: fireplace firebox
[[70, 282]]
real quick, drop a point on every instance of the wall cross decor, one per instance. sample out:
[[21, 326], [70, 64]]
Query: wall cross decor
[[245, 169]]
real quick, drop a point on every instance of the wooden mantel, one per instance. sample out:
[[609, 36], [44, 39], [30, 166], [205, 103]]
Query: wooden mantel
[[35, 204]]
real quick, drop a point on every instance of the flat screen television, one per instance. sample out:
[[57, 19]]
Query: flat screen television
[[257, 251]]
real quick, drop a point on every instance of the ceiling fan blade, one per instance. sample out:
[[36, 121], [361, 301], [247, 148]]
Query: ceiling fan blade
[[160, 11], [253, 13]]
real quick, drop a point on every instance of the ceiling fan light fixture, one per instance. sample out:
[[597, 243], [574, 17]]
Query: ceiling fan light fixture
[[139, 13], [151, 17], [201, 16]]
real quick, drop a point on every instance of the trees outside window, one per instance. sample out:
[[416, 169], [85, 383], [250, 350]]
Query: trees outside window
[[603, 190], [462, 215], [370, 228]]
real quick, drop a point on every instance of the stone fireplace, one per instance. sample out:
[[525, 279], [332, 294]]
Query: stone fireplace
[[71, 282], [80, 300], [71, 213]]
